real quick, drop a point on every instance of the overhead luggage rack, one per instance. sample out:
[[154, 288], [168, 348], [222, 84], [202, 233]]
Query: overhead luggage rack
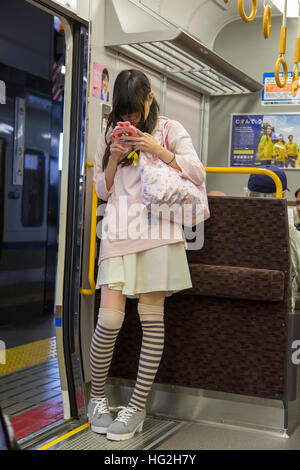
[[141, 34]]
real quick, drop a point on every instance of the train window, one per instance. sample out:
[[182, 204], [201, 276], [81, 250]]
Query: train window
[[33, 189]]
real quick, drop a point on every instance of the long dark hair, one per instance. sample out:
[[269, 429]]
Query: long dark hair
[[132, 88]]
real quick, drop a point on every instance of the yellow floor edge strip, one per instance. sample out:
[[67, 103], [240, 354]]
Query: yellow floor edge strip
[[64, 437], [28, 355]]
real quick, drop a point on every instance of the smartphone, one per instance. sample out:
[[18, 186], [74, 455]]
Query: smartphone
[[124, 129], [126, 142]]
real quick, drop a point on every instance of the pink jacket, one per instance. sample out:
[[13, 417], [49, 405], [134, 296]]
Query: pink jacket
[[125, 227]]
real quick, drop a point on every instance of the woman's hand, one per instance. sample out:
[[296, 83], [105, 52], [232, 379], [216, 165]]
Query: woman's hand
[[144, 142], [116, 151], [147, 143]]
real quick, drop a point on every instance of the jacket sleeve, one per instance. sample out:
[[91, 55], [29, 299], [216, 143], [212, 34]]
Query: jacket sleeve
[[99, 176], [180, 143], [261, 145]]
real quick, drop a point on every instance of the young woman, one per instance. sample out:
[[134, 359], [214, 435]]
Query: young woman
[[265, 147], [104, 96], [280, 152], [138, 264], [291, 157]]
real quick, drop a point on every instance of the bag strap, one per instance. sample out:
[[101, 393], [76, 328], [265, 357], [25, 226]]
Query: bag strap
[[165, 133]]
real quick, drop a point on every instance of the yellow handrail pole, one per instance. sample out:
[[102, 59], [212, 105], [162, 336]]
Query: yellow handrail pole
[[92, 283], [248, 171]]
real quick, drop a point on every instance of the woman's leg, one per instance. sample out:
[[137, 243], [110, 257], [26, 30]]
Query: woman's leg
[[151, 312], [110, 320]]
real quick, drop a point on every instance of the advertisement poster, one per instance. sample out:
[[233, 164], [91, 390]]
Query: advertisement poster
[[273, 95], [100, 82], [105, 74], [265, 139]]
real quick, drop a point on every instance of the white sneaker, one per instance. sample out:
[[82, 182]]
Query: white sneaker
[[128, 421], [99, 415]]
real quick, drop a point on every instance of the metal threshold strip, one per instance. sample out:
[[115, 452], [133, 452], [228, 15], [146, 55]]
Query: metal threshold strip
[[168, 49], [156, 430]]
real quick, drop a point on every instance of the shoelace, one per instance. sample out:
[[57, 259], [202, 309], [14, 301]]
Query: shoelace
[[101, 406], [125, 413]]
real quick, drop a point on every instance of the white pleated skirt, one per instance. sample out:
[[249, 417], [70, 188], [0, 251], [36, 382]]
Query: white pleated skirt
[[164, 268]]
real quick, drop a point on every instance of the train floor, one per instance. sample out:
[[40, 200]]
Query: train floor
[[165, 434], [30, 395]]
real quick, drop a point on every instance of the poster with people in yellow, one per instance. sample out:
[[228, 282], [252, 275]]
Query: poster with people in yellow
[[270, 139]]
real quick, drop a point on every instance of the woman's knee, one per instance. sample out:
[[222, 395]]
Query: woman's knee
[[153, 298], [112, 308], [111, 298], [110, 318], [151, 306]]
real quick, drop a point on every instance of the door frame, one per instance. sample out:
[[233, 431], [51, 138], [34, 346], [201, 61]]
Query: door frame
[[67, 293]]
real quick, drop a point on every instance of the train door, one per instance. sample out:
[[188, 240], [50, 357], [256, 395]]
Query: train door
[[42, 135]]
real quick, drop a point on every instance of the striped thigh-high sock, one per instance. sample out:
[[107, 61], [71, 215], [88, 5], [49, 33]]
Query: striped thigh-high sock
[[152, 320], [102, 348]]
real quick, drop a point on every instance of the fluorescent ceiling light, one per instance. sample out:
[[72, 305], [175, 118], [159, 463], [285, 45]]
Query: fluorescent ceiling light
[[292, 7]]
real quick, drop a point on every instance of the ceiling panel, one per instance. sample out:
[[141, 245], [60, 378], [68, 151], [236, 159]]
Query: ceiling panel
[[202, 18]]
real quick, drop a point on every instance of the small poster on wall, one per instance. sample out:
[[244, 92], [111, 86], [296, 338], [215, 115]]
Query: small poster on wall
[[272, 95], [104, 95], [265, 139], [100, 82]]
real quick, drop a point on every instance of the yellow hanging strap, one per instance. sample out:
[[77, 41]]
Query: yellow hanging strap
[[295, 81], [135, 156], [267, 20], [282, 50], [244, 17]]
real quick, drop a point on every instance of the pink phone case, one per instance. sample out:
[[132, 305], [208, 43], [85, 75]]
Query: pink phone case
[[124, 129]]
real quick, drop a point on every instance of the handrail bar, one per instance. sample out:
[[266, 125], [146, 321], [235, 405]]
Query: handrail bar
[[217, 169], [249, 171], [92, 289]]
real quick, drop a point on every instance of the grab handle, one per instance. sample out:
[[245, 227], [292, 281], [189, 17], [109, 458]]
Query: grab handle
[[282, 50], [281, 61], [267, 21], [249, 171], [244, 17], [92, 283]]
